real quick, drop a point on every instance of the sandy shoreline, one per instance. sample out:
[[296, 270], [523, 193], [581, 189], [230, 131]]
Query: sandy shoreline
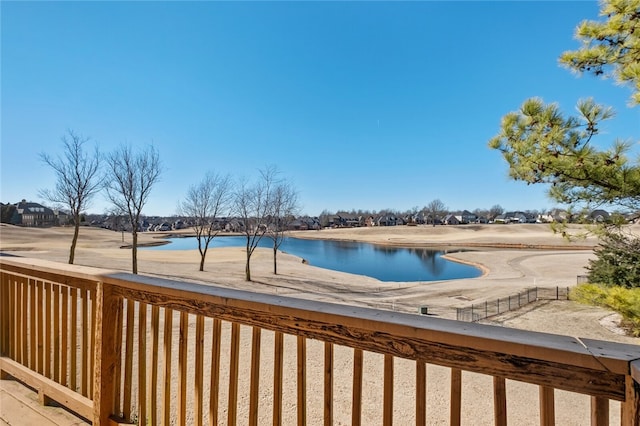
[[506, 270], [554, 262]]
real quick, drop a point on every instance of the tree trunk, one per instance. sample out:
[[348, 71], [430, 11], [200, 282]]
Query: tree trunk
[[134, 251], [203, 253], [247, 270], [74, 241], [275, 262]]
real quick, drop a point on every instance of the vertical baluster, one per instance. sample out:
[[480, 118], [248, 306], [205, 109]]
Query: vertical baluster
[[599, 411], [421, 393], [47, 329], [117, 380], [142, 363], [387, 414], [4, 314], [328, 384], [456, 397], [277, 378], [302, 380], [73, 359], [499, 401], [356, 399], [215, 372], [182, 368], [128, 360], [84, 377], [11, 324], [56, 332], [33, 348], [40, 326], [64, 330], [233, 373], [255, 377], [92, 301], [547, 407], [24, 321], [199, 370], [166, 386], [152, 391]]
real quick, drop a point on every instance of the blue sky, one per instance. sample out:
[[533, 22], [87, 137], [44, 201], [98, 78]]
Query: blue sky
[[362, 105]]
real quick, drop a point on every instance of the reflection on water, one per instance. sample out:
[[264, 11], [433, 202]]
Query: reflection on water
[[381, 262]]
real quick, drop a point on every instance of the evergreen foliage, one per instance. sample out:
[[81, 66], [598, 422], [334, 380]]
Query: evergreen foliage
[[542, 145], [610, 48], [617, 262]]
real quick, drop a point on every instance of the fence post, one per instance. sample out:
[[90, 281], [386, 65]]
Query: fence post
[[630, 410], [108, 311], [486, 309]]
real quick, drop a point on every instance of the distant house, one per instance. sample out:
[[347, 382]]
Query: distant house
[[466, 217], [179, 224], [33, 215], [305, 223], [389, 220], [346, 220], [515, 217], [451, 219]]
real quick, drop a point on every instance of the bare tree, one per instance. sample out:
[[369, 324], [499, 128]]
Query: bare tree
[[284, 206], [204, 203], [252, 204], [495, 211], [435, 209], [130, 177], [77, 179]]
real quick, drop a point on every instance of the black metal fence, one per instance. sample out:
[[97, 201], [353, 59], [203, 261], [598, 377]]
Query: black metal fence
[[477, 312]]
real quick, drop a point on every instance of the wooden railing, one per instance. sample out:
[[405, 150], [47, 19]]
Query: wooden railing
[[118, 348]]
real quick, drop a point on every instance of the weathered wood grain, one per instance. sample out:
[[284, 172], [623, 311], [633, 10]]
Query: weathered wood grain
[[107, 354]]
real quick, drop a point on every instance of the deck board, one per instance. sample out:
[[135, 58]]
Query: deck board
[[19, 406]]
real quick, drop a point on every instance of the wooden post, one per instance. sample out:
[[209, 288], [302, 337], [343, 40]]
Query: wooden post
[[108, 310], [630, 408]]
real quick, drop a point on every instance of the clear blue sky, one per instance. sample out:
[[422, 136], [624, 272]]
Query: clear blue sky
[[362, 105]]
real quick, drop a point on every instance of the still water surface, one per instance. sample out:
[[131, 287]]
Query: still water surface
[[381, 262]]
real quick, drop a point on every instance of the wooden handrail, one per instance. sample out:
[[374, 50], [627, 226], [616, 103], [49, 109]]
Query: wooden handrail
[[603, 370], [556, 361]]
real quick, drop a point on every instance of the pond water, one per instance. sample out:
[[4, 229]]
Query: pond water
[[381, 262]]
